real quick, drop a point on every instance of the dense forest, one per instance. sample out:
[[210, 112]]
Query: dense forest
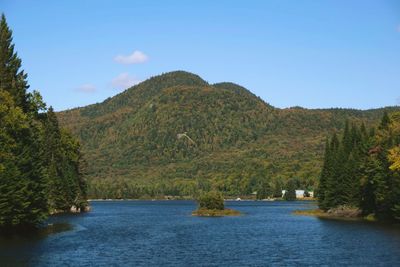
[[40, 171], [362, 169], [175, 134]]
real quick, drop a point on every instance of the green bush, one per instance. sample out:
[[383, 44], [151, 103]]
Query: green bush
[[212, 201]]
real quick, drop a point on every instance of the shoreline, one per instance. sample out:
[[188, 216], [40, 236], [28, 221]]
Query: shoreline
[[193, 199], [324, 215]]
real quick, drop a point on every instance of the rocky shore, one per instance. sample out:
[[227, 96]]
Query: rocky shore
[[73, 209]]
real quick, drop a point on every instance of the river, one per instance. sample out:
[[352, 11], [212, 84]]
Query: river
[[163, 233]]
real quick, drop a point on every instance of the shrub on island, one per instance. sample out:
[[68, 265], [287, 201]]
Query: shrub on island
[[212, 201], [211, 204]]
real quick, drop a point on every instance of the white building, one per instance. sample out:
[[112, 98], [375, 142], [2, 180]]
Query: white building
[[299, 193]]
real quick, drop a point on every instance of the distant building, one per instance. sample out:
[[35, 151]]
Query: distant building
[[299, 193]]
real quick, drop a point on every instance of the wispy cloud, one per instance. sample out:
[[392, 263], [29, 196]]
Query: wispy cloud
[[86, 88], [136, 57], [124, 81]]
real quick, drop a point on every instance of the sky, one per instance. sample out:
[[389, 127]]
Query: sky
[[314, 54]]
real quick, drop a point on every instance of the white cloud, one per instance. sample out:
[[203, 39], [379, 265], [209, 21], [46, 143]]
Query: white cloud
[[136, 57], [124, 81], [86, 88]]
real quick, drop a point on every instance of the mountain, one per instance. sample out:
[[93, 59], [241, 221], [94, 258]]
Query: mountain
[[175, 133]]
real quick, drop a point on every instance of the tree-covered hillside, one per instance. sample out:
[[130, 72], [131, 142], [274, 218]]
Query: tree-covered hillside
[[175, 134]]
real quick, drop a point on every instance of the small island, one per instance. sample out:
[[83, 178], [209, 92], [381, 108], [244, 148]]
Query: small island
[[211, 204]]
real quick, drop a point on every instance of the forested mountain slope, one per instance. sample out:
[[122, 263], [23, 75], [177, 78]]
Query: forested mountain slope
[[175, 133]]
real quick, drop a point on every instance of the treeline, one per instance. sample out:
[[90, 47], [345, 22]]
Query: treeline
[[362, 169], [39, 162], [261, 187]]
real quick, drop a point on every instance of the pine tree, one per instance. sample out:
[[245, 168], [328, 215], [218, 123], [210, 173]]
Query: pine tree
[[39, 165], [65, 186], [277, 188], [385, 122], [264, 191], [325, 174], [290, 194], [22, 200], [332, 183], [12, 79], [52, 155], [358, 171]]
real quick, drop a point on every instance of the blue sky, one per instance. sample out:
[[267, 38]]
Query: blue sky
[[309, 53]]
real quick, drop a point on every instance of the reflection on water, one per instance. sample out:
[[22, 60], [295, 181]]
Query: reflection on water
[[163, 233], [11, 243], [33, 234]]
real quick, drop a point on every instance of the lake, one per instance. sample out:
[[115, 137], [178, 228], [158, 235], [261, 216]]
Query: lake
[[163, 233]]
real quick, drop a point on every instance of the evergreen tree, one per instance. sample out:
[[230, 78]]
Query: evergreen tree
[[385, 122], [65, 186], [22, 199], [21, 181], [361, 171], [12, 79], [277, 188], [264, 191], [332, 183], [325, 175], [290, 194], [39, 164]]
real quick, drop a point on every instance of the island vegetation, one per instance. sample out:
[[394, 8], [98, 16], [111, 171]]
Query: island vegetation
[[40, 170], [211, 204]]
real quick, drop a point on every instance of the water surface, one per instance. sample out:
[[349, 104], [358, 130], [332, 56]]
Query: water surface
[[163, 233]]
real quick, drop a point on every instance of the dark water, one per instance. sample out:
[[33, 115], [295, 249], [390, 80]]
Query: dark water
[[146, 233]]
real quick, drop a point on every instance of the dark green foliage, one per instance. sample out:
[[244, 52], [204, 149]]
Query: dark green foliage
[[265, 190], [385, 122], [22, 200], [338, 182], [212, 200], [65, 186], [12, 79], [22, 196], [278, 187], [290, 194], [357, 171], [30, 149]]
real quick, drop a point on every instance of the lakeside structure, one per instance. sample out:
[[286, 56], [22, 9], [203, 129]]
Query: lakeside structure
[[300, 193]]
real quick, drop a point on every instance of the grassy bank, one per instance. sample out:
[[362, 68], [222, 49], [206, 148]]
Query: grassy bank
[[215, 213], [335, 216]]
